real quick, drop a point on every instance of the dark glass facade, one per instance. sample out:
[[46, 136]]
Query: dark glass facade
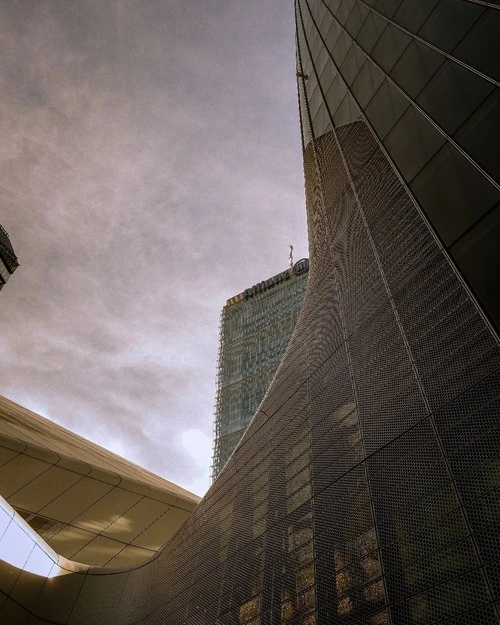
[[366, 489], [8, 258], [424, 77]]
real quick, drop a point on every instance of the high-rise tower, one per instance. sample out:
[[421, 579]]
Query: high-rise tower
[[400, 121], [423, 79], [255, 328]]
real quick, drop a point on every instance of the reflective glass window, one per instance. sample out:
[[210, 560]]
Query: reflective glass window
[[318, 10], [411, 14], [347, 111], [480, 48], [371, 31], [311, 85], [333, 5], [327, 75], [321, 121], [390, 47], [326, 22], [416, 67], [356, 19], [344, 10], [367, 82], [449, 22], [452, 94], [332, 36], [352, 63], [335, 94], [321, 60], [387, 7], [478, 256], [315, 99], [412, 142], [341, 48], [385, 108], [453, 193], [480, 135], [316, 46]]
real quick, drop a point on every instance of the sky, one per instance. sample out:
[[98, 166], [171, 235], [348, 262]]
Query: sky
[[150, 168]]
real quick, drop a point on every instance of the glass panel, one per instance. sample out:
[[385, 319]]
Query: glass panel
[[341, 48], [335, 94], [411, 15], [344, 10], [385, 108], [371, 31], [326, 23], [483, 36], [321, 121], [367, 82], [416, 67], [478, 256], [453, 194], [412, 142], [332, 36], [452, 94], [327, 76], [347, 111], [387, 7], [358, 15], [480, 135], [352, 63], [390, 47], [449, 22], [321, 60]]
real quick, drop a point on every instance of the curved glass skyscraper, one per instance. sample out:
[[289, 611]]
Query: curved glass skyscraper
[[366, 489], [423, 76]]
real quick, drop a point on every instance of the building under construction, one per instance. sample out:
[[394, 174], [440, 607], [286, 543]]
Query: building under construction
[[254, 331]]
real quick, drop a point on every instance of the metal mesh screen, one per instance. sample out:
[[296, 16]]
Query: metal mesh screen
[[366, 489]]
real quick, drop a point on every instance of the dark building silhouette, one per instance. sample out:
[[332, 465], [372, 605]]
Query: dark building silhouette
[[8, 258], [254, 331], [366, 489]]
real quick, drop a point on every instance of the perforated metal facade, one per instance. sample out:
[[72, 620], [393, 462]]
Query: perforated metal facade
[[254, 331], [366, 490]]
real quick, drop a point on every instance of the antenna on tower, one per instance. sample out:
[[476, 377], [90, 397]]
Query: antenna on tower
[[291, 256]]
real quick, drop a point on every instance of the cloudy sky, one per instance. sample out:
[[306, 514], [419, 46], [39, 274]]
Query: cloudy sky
[[150, 168]]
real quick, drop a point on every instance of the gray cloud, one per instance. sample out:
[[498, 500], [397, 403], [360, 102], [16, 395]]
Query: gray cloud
[[151, 168]]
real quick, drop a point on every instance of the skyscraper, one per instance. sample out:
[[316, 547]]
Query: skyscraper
[[423, 78], [8, 258], [366, 489], [255, 328]]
